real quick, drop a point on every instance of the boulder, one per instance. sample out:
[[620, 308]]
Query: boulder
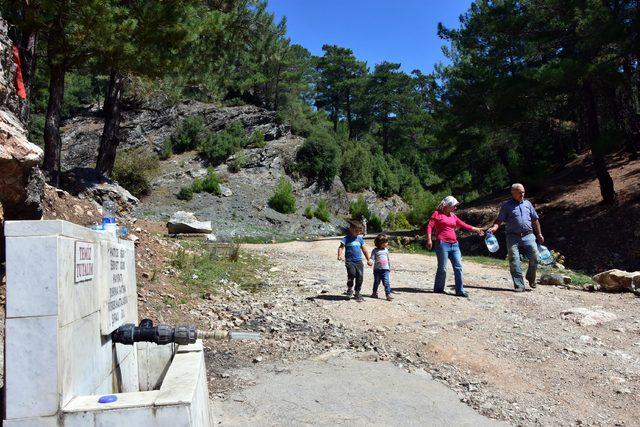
[[186, 222], [21, 181], [553, 279], [225, 191], [618, 281], [587, 317]]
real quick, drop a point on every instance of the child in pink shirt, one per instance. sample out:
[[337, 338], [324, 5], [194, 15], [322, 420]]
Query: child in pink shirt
[[445, 223]]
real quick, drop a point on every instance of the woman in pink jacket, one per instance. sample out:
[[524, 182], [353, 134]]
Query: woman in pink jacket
[[445, 223]]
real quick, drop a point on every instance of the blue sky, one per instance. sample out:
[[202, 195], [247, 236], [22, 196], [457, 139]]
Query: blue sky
[[403, 31]]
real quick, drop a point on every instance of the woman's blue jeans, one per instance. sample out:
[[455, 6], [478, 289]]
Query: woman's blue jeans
[[450, 251]]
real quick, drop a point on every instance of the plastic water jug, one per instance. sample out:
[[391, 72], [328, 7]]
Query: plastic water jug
[[109, 217], [491, 242], [108, 212], [544, 254]]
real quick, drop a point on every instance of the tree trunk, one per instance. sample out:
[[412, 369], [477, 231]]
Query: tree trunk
[[28, 44], [276, 95], [631, 119], [349, 118], [110, 138], [592, 134], [52, 141], [334, 117], [385, 135]]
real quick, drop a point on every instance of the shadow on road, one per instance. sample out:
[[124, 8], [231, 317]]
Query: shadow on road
[[413, 290], [489, 288], [329, 298]]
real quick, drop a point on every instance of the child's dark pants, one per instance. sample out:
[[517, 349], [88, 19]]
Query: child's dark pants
[[355, 272]]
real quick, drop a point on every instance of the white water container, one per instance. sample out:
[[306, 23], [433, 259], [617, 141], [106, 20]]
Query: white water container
[[491, 242]]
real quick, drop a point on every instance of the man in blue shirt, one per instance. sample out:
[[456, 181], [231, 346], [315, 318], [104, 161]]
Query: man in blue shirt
[[351, 249], [522, 225]]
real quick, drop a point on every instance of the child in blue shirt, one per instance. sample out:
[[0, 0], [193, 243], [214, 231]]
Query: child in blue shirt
[[352, 249], [381, 266]]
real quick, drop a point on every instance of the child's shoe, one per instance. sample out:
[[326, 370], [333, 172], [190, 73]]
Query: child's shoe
[[389, 297], [374, 295], [349, 292], [359, 298]]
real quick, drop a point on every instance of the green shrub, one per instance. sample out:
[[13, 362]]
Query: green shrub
[[356, 178], [319, 157], [396, 221], [218, 146], [197, 186], [237, 163], [211, 183], [257, 139], [359, 209], [309, 212], [36, 129], [302, 118], [283, 199], [190, 133], [185, 193], [422, 203], [166, 151], [385, 180], [322, 211], [374, 224], [402, 223], [134, 170]]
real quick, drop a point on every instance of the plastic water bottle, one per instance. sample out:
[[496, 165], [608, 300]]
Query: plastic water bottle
[[491, 242], [544, 255], [109, 217]]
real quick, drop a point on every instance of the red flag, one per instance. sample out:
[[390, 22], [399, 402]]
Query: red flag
[[22, 93]]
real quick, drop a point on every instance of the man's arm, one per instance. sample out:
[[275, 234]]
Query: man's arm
[[502, 216], [340, 251], [538, 230]]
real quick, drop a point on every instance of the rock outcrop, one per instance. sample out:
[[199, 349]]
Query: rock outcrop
[[90, 184], [150, 126], [21, 181]]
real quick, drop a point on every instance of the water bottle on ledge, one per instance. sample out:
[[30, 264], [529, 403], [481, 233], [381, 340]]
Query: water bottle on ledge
[[109, 217], [491, 242]]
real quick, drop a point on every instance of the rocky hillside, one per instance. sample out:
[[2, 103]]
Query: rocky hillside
[[241, 211]]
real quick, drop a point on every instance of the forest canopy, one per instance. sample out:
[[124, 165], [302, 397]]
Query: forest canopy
[[528, 86]]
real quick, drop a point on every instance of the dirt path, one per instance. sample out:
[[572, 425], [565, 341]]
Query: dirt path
[[514, 357]]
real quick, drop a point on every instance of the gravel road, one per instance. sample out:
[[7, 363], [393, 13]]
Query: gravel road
[[547, 356]]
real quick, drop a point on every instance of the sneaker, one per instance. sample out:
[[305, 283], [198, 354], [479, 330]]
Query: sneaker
[[374, 295], [349, 292], [519, 289], [439, 292], [389, 297], [359, 298], [463, 294], [532, 285]]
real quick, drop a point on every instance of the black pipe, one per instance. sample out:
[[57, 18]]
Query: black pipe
[[161, 334]]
